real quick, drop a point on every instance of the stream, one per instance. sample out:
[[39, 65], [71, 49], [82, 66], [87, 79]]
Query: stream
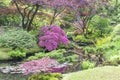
[[9, 76]]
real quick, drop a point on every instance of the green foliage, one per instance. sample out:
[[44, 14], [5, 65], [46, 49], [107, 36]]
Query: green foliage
[[17, 54], [17, 39], [90, 50], [100, 26], [115, 58], [32, 58], [60, 55], [87, 64], [82, 38], [71, 58], [70, 34], [46, 76], [116, 30], [10, 20], [38, 22], [5, 2], [55, 54], [103, 41]]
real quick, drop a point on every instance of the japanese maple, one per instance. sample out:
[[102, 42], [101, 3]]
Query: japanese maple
[[84, 10]]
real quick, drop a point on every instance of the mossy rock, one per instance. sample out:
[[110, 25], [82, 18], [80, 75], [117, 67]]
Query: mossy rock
[[4, 53], [35, 49]]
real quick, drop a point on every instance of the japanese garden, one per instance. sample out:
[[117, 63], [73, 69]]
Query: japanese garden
[[59, 39]]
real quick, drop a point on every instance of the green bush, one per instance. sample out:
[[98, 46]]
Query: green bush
[[32, 58], [70, 34], [46, 76], [10, 20], [100, 26], [115, 58], [17, 54], [87, 64], [103, 41], [90, 50], [55, 54], [82, 38], [60, 55], [116, 30], [17, 39]]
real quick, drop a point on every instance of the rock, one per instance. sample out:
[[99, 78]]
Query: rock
[[11, 70]]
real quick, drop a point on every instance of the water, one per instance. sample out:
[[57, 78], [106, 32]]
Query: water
[[11, 76]]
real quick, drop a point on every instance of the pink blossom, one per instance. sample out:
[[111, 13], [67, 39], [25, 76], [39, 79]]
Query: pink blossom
[[52, 37], [37, 66]]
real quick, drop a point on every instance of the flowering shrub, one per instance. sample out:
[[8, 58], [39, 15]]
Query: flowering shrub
[[52, 37], [42, 65]]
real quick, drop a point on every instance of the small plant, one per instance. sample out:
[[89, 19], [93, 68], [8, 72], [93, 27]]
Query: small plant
[[90, 50], [87, 64], [103, 41], [17, 54], [47, 76], [115, 58], [52, 37], [116, 30]]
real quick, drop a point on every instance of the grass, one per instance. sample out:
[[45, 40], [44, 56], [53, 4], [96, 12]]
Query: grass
[[99, 73]]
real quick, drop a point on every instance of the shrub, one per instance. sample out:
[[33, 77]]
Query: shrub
[[103, 41], [52, 37], [81, 38], [47, 76], [70, 35], [90, 50], [17, 54], [116, 30], [55, 54], [115, 58], [10, 20], [101, 26], [17, 39], [60, 55], [87, 64]]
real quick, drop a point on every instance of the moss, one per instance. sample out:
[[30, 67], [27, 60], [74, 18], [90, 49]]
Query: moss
[[4, 53]]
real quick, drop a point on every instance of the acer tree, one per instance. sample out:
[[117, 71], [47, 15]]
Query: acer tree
[[57, 7], [83, 10], [27, 9]]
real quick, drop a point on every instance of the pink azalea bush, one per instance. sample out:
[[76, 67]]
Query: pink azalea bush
[[52, 37], [42, 65]]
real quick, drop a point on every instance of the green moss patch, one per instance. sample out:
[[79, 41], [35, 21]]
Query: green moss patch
[[4, 53]]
